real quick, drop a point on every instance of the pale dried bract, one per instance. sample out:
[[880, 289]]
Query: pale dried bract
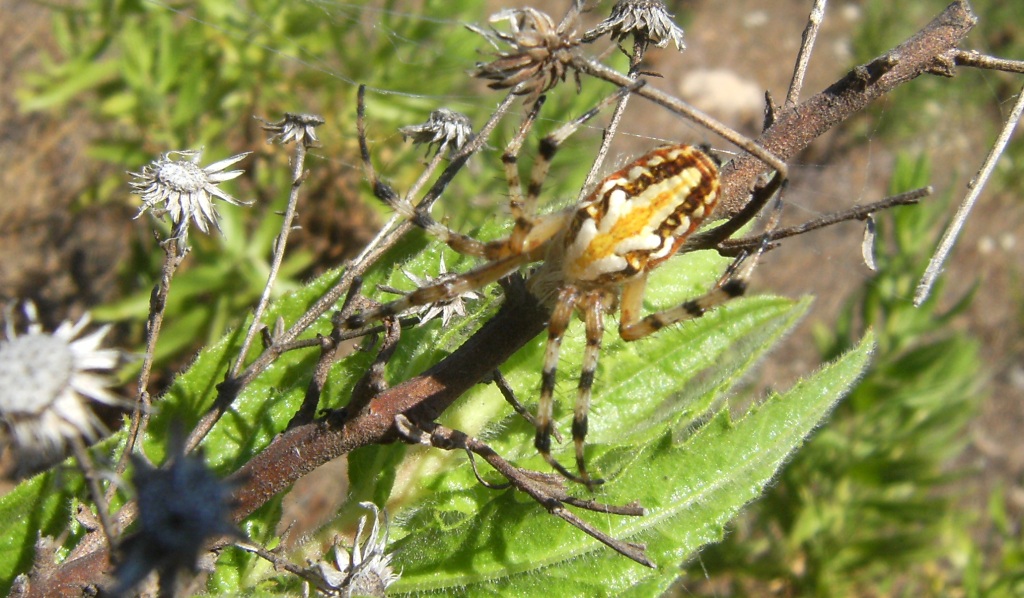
[[647, 21], [366, 571], [183, 190], [445, 130], [447, 309], [541, 53], [297, 127]]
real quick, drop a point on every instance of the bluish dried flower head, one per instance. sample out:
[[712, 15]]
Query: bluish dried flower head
[[366, 571], [183, 190], [47, 381], [647, 21], [297, 127], [445, 130], [182, 506]]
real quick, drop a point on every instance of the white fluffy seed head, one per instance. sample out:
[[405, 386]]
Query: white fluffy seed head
[[46, 383]]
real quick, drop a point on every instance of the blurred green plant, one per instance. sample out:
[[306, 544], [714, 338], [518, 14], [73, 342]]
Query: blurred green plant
[[158, 78], [866, 506]]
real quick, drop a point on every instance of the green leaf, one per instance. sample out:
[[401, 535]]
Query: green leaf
[[39, 506], [60, 87], [469, 540]]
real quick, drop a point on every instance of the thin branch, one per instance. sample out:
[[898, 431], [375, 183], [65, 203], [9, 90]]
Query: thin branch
[[381, 243], [280, 563], [298, 176], [510, 397], [795, 128], [733, 247], [639, 49], [924, 288], [976, 59], [91, 476], [804, 55], [174, 255], [680, 107], [547, 489]]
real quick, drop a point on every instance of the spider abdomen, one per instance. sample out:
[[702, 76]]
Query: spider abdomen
[[638, 217]]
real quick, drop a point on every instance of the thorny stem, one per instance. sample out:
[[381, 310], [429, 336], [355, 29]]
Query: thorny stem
[[298, 176], [931, 273], [804, 55], [174, 254]]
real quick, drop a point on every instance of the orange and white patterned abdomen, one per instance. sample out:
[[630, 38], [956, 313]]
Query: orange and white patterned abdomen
[[639, 216]]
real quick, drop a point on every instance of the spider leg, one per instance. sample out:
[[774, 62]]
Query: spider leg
[[444, 290], [523, 208], [560, 318], [511, 161], [632, 327], [461, 243], [732, 284], [593, 313]]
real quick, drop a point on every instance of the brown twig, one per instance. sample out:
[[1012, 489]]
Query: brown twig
[[174, 254], [733, 247], [795, 128], [976, 59], [803, 57]]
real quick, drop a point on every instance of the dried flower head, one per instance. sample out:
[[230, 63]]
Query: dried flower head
[[648, 21], [541, 54], [300, 128], [183, 190], [445, 129], [47, 381], [366, 571], [182, 506], [446, 309]]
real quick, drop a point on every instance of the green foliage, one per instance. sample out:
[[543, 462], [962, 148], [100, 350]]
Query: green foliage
[[469, 540], [661, 430], [682, 456], [869, 498], [159, 79]]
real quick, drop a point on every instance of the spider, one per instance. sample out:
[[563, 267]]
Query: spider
[[594, 257]]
